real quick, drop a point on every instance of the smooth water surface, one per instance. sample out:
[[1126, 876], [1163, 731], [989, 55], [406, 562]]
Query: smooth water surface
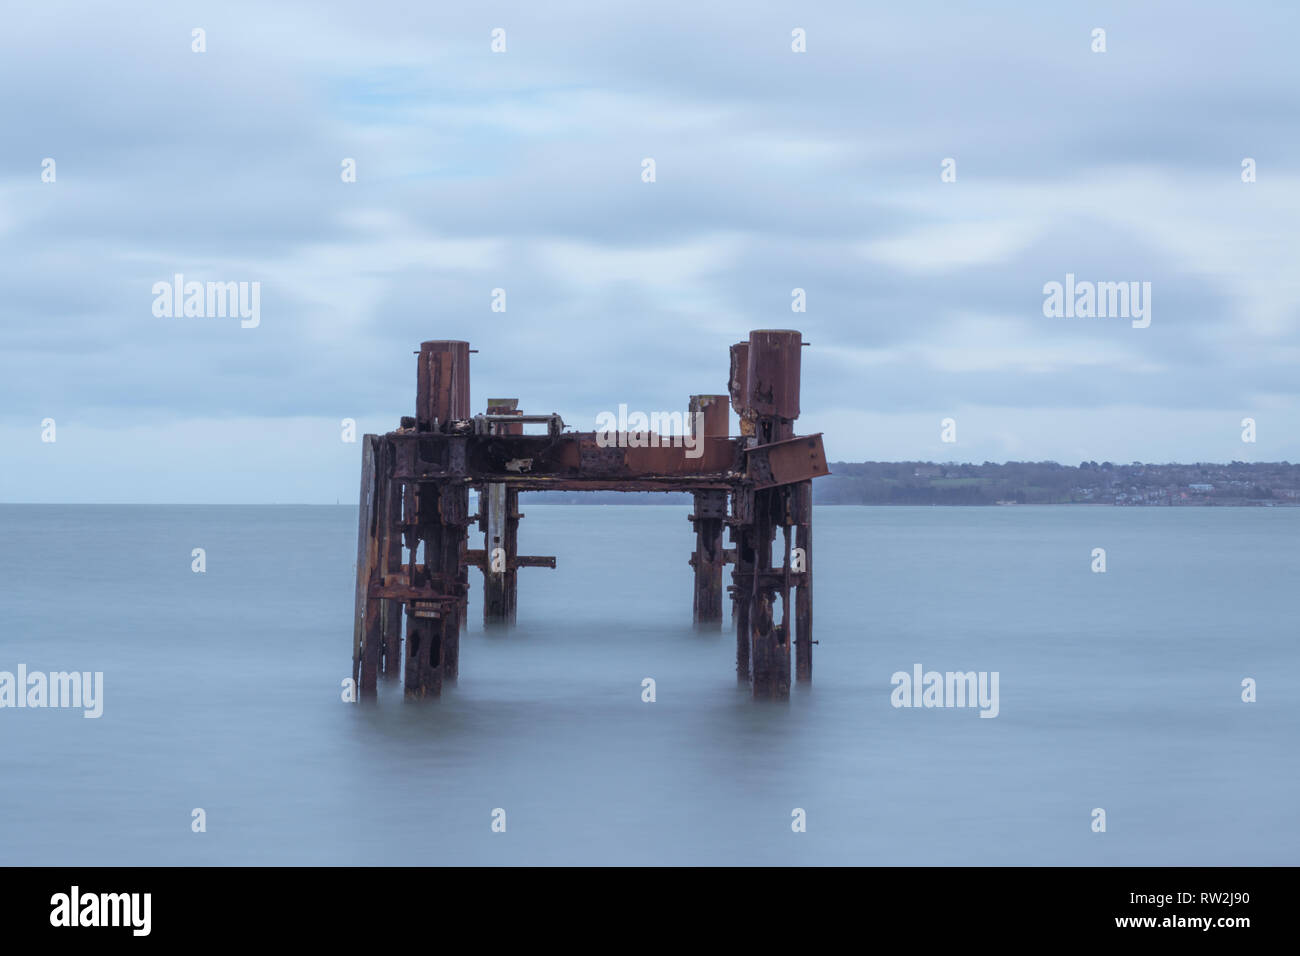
[[222, 690]]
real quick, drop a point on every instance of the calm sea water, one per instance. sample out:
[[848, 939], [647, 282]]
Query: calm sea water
[[222, 691]]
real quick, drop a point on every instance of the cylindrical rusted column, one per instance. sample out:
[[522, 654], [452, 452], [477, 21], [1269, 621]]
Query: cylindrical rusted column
[[442, 384], [772, 382], [716, 418]]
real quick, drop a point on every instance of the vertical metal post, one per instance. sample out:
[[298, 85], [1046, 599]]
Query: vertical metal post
[[366, 639], [390, 611], [441, 524], [801, 513], [742, 575], [772, 404], [708, 420], [500, 522]]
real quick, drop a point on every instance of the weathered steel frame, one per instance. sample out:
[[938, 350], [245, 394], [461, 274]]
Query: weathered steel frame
[[413, 557]]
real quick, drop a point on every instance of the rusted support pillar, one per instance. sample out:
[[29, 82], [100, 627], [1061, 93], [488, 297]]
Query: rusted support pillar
[[742, 592], [367, 634], [708, 420], [499, 519], [442, 384], [742, 500], [441, 525], [453, 507], [770, 650], [801, 513], [433, 626], [424, 618], [390, 610], [772, 383], [771, 389], [709, 557], [511, 582], [411, 550]]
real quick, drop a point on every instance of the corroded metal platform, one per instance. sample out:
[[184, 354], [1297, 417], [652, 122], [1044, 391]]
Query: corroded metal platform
[[413, 558]]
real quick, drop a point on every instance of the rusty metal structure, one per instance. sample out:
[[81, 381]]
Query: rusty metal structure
[[413, 553]]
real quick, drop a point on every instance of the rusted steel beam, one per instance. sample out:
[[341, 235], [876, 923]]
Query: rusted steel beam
[[777, 578], [477, 558], [661, 483], [576, 456], [408, 594], [399, 574], [786, 462]]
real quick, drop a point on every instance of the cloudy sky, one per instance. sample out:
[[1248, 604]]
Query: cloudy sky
[[522, 170]]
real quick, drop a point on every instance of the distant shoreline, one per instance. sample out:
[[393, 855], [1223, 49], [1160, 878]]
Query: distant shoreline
[[920, 483], [1198, 485]]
